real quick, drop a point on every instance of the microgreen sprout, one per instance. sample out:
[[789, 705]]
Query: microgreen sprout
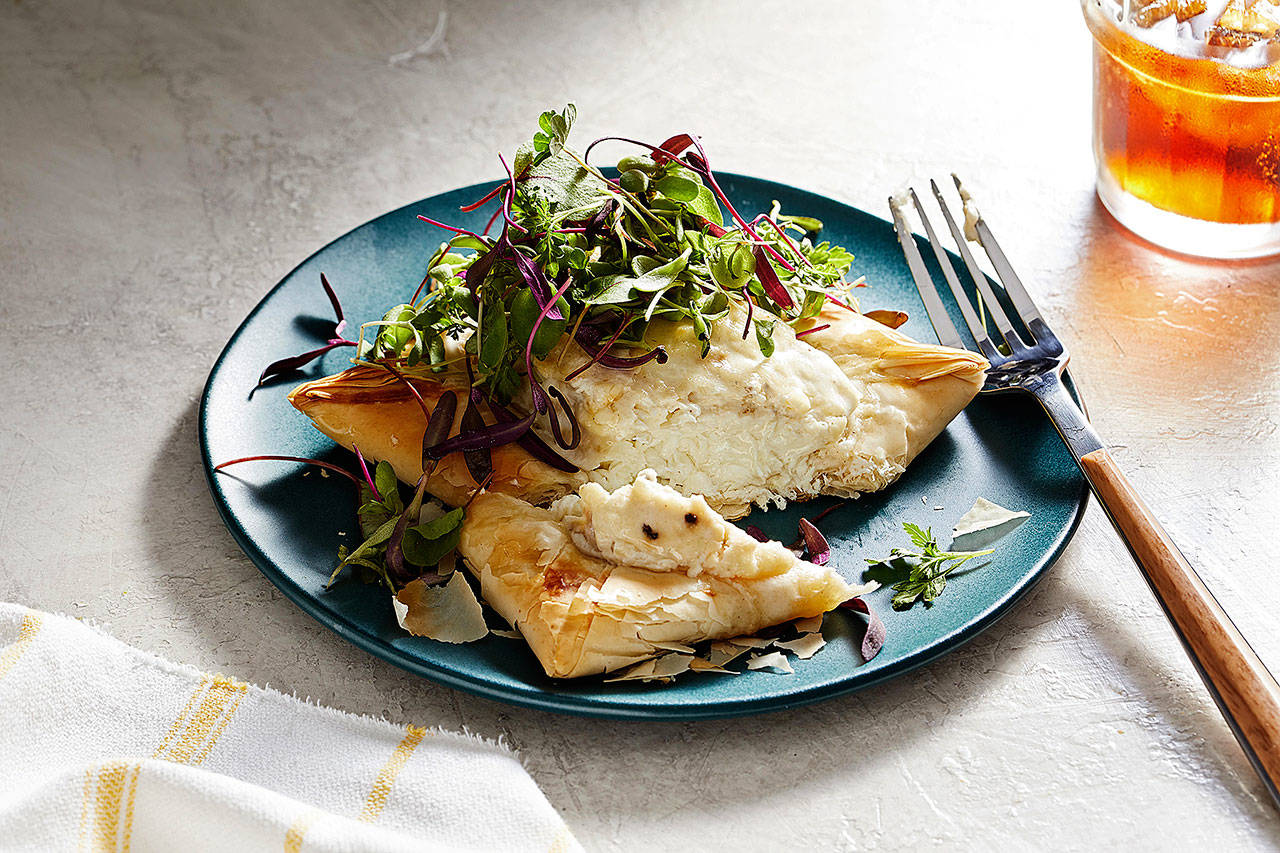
[[289, 365]]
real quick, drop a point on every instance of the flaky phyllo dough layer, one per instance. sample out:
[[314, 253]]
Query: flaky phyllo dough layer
[[599, 578], [838, 411]]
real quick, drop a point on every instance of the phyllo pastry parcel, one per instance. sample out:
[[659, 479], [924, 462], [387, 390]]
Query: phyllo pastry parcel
[[840, 410], [601, 580]]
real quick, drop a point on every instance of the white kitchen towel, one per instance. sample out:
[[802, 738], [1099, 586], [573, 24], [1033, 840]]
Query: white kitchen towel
[[107, 748]]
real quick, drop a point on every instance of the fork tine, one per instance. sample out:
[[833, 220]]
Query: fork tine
[[979, 277], [1012, 284], [947, 334], [979, 332]]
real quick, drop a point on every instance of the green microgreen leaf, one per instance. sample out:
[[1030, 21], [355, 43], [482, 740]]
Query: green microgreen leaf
[[706, 206], [427, 544], [677, 188], [493, 338], [764, 336], [384, 477], [524, 313], [662, 276], [378, 537]]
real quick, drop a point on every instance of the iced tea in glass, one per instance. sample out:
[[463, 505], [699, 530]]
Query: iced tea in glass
[[1186, 121]]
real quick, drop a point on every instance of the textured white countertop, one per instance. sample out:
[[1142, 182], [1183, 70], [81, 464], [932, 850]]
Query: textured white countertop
[[161, 168]]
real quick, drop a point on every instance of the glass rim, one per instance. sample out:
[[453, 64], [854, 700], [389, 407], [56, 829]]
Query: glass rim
[[1260, 56]]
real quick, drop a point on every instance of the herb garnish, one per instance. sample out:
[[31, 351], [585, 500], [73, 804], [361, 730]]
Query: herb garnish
[[399, 545], [288, 365], [920, 574], [580, 257], [422, 543], [594, 259]]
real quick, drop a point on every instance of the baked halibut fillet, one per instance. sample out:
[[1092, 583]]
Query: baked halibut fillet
[[839, 411], [594, 581]]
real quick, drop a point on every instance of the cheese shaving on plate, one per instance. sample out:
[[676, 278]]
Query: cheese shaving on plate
[[985, 524], [447, 612], [776, 660], [805, 646]]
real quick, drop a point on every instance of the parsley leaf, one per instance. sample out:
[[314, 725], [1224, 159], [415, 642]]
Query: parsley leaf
[[920, 574]]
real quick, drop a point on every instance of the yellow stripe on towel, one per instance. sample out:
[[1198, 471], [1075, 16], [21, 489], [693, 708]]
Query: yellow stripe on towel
[[381, 790], [298, 831], [128, 809], [108, 797], [202, 720], [182, 716], [27, 631], [84, 807]]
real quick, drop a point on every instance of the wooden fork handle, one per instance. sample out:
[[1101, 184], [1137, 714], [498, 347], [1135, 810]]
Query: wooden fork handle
[[1245, 691]]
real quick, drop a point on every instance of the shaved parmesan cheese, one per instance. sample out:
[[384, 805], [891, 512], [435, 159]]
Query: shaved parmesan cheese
[[984, 525], [700, 665], [449, 612], [804, 647], [971, 214], [752, 642], [510, 635], [642, 671], [722, 653], [775, 660], [807, 626], [431, 510], [669, 666], [665, 668]]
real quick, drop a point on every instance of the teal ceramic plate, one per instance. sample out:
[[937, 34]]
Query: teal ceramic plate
[[290, 520]]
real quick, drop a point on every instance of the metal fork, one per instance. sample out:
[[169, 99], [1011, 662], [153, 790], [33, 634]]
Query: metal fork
[[1031, 362]]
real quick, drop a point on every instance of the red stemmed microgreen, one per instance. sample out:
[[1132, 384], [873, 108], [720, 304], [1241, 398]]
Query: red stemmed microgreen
[[289, 365], [265, 457], [488, 197], [439, 224], [508, 196], [488, 226], [337, 307], [541, 404], [476, 453], [364, 469], [535, 446], [483, 437], [575, 431]]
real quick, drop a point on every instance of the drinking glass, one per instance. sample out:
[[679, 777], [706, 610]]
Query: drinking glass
[[1186, 121]]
